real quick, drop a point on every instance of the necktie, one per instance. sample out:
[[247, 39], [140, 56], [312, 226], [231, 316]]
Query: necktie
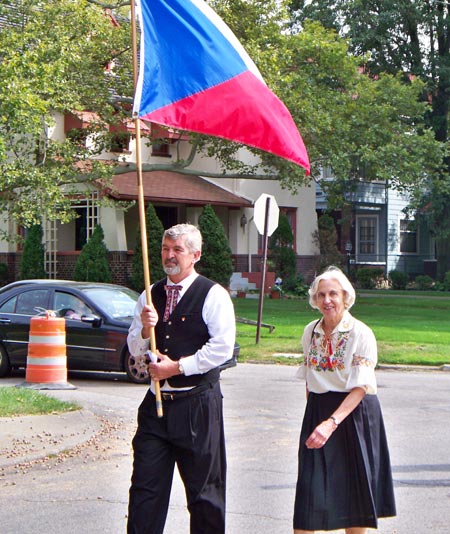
[[172, 299]]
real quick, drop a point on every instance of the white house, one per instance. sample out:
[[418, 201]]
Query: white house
[[176, 198]]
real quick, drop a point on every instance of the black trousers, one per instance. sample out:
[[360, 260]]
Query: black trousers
[[191, 435]]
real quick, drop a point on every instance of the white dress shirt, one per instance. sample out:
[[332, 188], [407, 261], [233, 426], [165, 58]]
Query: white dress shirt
[[218, 315]]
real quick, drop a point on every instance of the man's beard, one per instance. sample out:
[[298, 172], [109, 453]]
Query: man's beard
[[171, 269]]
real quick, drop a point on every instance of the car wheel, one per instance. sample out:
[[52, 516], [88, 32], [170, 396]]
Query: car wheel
[[136, 368], [5, 366]]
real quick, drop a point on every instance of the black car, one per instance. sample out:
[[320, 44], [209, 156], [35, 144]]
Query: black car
[[97, 315]]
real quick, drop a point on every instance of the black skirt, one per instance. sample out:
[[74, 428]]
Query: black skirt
[[348, 482]]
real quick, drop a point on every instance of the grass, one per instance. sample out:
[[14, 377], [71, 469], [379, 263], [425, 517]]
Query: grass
[[411, 328], [20, 401]]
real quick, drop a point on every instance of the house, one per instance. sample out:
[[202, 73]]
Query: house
[[376, 232], [176, 198]]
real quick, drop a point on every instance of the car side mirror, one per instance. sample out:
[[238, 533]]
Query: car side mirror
[[94, 320]]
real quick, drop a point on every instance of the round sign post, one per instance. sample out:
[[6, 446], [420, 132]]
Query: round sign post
[[265, 216]]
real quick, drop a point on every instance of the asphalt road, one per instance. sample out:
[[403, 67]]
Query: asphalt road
[[85, 490]]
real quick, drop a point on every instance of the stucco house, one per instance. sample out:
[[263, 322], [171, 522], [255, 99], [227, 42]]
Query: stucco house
[[176, 198]]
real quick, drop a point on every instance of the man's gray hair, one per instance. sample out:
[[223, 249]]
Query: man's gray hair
[[192, 233], [333, 273]]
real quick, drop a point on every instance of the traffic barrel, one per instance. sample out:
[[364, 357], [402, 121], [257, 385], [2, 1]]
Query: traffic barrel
[[47, 357]]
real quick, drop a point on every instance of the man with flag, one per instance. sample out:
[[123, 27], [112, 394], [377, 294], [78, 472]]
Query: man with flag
[[195, 76], [195, 332]]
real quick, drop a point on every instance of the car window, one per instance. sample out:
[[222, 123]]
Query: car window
[[32, 302], [9, 306], [70, 306], [114, 302]]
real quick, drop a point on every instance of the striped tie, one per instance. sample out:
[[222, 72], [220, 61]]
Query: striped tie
[[172, 300]]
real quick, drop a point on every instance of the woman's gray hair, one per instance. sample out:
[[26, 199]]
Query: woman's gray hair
[[192, 233], [333, 273]]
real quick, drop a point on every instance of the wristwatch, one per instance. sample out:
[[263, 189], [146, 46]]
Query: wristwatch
[[180, 367], [335, 420]]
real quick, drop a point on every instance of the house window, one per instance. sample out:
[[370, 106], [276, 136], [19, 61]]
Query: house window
[[161, 150], [367, 235], [87, 219], [120, 143], [408, 237]]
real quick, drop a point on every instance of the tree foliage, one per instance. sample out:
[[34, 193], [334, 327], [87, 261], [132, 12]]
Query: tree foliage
[[52, 60], [409, 40], [215, 262], [92, 264]]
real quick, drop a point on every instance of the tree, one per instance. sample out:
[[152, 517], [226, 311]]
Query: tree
[[410, 38], [33, 257], [282, 255], [92, 264], [215, 262], [52, 61], [326, 238], [155, 231]]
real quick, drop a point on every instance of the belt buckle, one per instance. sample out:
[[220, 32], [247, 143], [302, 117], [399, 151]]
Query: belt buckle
[[167, 396]]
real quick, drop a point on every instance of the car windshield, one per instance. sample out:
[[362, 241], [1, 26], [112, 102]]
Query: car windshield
[[115, 302]]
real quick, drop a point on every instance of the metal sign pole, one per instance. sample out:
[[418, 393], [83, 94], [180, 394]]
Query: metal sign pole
[[263, 270]]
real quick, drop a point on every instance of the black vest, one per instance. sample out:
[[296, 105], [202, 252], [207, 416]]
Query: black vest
[[185, 332]]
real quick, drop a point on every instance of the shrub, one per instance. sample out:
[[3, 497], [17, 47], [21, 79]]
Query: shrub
[[446, 281], [295, 285], [369, 277], [155, 231], [215, 262], [33, 257], [423, 282], [92, 264], [3, 273], [398, 279], [282, 256]]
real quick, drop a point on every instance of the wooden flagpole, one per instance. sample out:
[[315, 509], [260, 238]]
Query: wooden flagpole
[[141, 204]]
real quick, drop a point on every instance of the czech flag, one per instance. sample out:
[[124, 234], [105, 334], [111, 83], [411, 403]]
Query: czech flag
[[194, 75]]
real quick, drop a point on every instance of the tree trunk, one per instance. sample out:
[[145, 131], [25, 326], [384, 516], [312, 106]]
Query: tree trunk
[[443, 256]]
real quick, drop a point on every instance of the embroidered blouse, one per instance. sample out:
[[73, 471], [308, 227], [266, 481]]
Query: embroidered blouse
[[345, 360]]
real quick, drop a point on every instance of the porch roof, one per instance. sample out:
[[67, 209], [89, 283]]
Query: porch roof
[[176, 188]]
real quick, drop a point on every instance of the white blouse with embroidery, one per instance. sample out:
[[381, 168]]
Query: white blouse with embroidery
[[344, 361]]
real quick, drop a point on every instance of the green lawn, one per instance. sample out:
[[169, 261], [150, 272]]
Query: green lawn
[[411, 328], [21, 401]]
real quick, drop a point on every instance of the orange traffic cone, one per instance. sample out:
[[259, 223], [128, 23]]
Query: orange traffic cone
[[47, 359]]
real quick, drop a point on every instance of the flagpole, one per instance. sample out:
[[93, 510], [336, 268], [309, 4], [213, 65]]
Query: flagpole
[[141, 204]]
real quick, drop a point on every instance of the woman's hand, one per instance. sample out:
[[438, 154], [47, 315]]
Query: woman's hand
[[321, 434]]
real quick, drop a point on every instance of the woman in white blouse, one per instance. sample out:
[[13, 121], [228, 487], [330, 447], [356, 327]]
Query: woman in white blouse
[[344, 476]]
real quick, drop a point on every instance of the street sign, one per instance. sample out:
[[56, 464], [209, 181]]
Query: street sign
[[259, 214]]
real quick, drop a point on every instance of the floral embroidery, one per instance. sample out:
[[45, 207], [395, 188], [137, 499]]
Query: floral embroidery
[[318, 357], [362, 361]]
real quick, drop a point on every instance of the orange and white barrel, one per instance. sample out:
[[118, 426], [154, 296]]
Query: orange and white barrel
[[47, 358]]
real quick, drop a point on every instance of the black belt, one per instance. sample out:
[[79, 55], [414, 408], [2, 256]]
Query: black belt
[[175, 395]]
